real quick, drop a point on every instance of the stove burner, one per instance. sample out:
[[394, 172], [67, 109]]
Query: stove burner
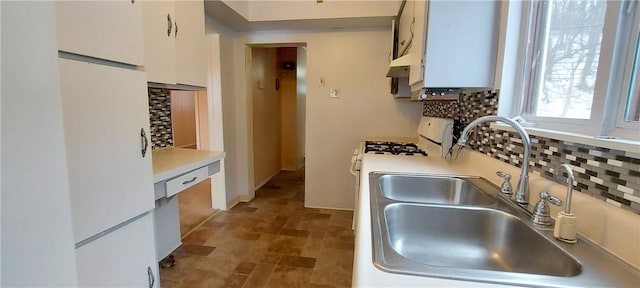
[[393, 148]]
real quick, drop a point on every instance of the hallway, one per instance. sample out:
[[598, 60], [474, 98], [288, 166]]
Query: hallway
[[272, 241]]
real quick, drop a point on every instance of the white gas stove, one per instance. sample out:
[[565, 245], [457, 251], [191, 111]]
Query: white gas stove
[[435, 139], [392, 148]]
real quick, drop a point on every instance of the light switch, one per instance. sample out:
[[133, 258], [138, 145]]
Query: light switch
[[333, 93]]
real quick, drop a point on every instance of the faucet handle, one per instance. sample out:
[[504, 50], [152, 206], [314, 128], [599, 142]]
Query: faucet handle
[[554, 200], [541, 213], [504, 175], [507, 188]]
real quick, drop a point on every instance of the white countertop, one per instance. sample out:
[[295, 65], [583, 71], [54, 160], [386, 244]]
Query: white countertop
[[365, 274], [171, 161]]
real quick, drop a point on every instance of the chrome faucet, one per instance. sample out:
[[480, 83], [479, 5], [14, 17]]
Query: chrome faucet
[[522, 194]]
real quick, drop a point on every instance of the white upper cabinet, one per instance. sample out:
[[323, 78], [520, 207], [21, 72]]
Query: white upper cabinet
[[190, 45], [405, 24], [105, 109], [110, 30], [174, 42], [459, 44], [416, 70], [159, 41]]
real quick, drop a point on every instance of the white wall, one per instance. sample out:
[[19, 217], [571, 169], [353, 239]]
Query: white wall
[[215, 119], [234, 124], [355, 63], [37, 239], [352, 61]]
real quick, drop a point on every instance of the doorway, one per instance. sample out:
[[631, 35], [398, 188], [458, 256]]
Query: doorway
[[277, 88]]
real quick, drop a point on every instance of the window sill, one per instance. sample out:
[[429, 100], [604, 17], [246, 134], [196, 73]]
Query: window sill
[[632, 148]]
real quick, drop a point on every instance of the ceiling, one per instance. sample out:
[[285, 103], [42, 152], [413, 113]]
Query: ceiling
[[219, 11]]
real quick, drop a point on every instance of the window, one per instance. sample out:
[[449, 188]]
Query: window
[[581, 72], [567, 41]]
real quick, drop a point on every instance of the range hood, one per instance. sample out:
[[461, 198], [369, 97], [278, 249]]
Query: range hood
[[399, 67]]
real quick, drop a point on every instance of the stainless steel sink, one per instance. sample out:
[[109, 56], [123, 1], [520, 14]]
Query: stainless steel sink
[[434, 189], [457, 227], [473, 238]]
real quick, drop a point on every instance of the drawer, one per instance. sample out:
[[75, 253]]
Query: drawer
[[186, 180]]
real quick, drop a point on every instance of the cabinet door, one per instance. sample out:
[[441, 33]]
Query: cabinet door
[[474, 46], [405, 25], [191, 60], [159, 41], [104, 110], [110, 30], [416, 70], [122, 258]]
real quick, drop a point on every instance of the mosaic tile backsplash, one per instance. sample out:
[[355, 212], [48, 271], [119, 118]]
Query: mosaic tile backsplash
[[607, 174], [160, 117]]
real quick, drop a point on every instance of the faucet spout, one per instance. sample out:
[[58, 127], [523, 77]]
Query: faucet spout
[[522, 194], [567, 168]]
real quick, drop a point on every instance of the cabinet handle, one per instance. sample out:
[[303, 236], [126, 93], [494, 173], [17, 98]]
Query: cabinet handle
[[169, 25], [189, 181], [152, 278], [176, 33], [144, 143]]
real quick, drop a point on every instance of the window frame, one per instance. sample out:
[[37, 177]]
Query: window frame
[[632, 37], [609, 94]]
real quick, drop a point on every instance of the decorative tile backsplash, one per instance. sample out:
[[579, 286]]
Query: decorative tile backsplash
[[160, 117], [607, 174]]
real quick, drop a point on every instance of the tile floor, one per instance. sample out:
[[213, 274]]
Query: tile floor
[[194, 205], [272, 241]]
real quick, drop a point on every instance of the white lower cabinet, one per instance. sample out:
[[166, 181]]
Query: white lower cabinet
[[167, 221], [124, 257]]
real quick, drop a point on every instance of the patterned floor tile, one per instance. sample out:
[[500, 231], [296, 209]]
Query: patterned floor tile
[[272, 241]]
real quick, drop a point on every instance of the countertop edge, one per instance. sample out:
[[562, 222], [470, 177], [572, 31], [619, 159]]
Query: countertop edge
[[166, 157]]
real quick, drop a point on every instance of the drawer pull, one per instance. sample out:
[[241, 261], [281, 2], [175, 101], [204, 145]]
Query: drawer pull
[[169, 25], [189, 181], [152, 278], [144, 143]]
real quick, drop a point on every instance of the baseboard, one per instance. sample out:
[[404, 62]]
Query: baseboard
[[244, 198], [264, 182], [233, 202], [328, 208]]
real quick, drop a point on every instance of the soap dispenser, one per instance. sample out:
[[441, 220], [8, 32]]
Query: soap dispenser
[[565, 229]]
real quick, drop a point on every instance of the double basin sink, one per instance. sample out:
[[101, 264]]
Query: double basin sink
[[457, 227]]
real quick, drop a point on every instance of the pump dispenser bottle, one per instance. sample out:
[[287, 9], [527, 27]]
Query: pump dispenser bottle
[[566, 223]]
